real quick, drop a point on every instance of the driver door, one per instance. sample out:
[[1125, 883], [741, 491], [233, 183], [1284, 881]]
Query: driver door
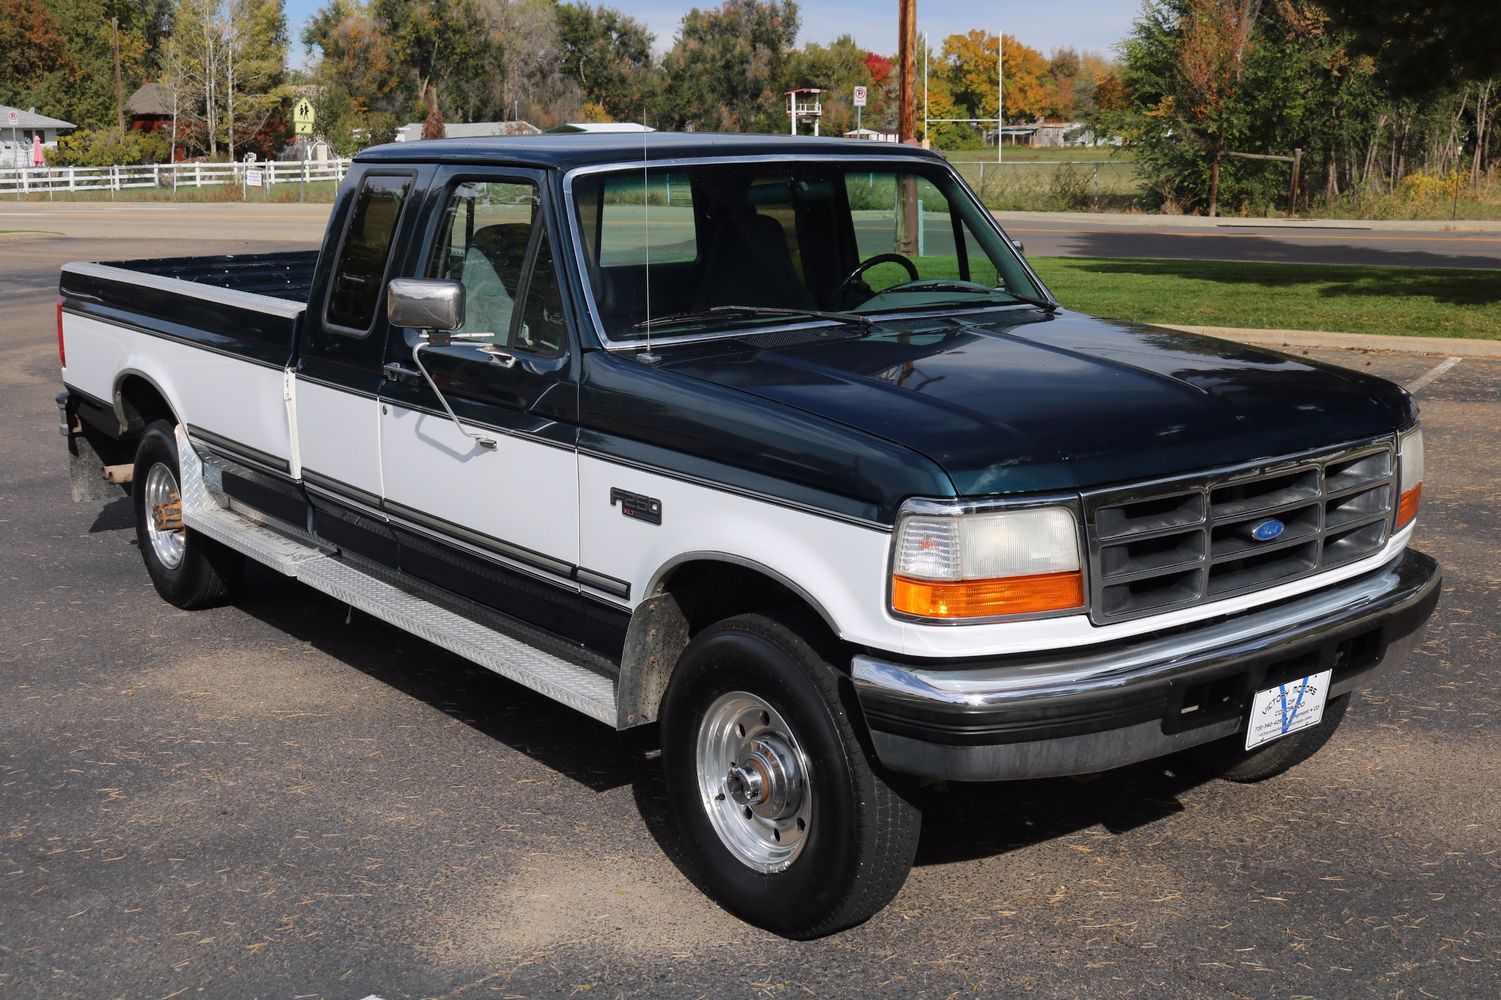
[[489, 511]]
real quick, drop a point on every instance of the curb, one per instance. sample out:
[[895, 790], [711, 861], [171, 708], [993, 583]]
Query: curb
[[1459, 347]]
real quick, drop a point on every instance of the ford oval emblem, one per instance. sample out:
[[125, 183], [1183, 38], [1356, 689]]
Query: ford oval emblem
[[1267, 530]]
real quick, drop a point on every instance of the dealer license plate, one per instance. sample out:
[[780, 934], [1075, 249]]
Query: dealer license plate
[[1283, 710]]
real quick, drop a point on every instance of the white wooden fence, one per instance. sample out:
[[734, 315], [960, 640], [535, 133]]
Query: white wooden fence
[[168, 176]]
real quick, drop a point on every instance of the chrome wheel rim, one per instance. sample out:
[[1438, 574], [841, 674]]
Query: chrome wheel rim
[[754, 781], [161, 490]]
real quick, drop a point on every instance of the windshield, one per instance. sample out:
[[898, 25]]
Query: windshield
[[778, 243]]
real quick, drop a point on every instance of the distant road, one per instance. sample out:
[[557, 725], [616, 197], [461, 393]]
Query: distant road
[[151, 227], [1071, 235]]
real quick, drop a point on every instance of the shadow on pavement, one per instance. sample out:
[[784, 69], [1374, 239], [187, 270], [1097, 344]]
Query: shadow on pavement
[[961, 821], [1261, 248], [1445, 282]]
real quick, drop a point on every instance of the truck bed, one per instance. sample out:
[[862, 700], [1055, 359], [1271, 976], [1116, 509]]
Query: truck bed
[[287, 275], [241, 305]]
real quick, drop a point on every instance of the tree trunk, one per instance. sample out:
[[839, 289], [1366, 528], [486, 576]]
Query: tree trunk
[[1482, 112], [1214, 185]]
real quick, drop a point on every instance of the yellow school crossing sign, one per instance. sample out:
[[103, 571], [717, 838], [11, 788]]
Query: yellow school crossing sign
[[303, 117]]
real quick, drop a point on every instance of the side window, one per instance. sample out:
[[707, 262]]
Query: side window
[[361, 265], [486, 232]]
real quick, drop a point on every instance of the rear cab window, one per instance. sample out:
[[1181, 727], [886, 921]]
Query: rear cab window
[[360, 267]]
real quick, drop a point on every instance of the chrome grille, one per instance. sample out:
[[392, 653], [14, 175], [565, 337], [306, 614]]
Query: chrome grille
[[1173, 544]]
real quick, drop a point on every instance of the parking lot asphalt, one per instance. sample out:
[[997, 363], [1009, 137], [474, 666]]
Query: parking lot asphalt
[[282, 799]]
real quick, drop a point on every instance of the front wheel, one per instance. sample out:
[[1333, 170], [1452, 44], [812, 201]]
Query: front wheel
[[187, 570], [792, 822]]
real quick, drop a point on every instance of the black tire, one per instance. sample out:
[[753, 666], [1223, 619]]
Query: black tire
[[862, 827], [1230, 760], [207, 572]]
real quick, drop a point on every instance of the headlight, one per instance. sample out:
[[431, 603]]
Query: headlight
[[985, 565], [1410, 475]]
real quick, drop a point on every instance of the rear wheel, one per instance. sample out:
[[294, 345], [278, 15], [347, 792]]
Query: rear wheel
[[1230, 760], [790, 819], [187, 570]]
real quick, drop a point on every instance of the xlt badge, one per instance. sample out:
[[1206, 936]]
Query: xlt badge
[[636, 506]]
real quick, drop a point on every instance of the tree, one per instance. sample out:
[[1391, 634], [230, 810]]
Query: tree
[[726, 70], [609, 55], [1211, 62], [837, 68], [358, 65], [255, 52], [1422, 48], [222, 69], [969, 65], [33, 45], [432, 122], [446, 42], [76, 79]]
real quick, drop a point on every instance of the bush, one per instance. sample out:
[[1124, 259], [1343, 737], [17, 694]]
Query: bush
[[105, 147]]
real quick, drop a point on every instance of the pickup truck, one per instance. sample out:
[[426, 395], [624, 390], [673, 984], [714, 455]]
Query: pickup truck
[[778, 444]]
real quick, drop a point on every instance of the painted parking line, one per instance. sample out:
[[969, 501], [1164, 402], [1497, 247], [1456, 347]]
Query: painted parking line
[[1425, 379]]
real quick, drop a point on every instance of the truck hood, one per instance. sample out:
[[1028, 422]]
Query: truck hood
[[1014, 402]]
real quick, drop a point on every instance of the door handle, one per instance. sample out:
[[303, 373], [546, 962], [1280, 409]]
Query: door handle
[[498, 357], [395, 371]]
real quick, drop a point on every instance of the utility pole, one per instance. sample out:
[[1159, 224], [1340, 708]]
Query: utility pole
[[906, 41], [907, 219], [114, 24], [1000, 92]]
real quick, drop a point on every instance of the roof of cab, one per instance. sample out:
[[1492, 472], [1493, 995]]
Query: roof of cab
[[569, 151]]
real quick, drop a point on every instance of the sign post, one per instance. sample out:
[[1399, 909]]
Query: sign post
[[13, 118], [303, 120], [860, 95]]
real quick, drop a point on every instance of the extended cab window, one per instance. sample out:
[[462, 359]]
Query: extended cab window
[[361, 265], [489, 230]]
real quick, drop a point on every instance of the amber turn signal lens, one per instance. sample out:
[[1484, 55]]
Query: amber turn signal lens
[[1014, 595], [1407, 506]]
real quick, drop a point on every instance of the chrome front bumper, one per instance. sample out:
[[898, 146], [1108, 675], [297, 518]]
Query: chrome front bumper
[[1098, 708]]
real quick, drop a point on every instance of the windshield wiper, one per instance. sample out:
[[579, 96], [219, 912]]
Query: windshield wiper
[[732, 312], [966, 286]]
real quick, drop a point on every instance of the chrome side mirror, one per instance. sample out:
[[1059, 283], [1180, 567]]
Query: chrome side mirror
[[425, 303], [1017, 246]]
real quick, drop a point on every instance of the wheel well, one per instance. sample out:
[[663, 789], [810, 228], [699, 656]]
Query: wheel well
[[138, 403], [690, 598]]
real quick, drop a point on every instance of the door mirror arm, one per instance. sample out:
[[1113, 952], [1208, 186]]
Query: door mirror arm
[[426, 341]]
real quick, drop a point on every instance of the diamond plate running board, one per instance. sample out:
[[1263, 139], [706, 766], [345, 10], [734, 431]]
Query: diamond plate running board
[[559, 679]]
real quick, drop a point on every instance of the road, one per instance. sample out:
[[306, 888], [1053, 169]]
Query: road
[[1403, 245], [279, 798]]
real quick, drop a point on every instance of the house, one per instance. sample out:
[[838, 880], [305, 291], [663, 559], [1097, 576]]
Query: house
[[469, 130], [598, 128], [872, 135], [19, 130], [149, 108]]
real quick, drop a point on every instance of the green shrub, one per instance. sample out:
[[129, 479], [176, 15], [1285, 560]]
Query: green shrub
[[106, 147]]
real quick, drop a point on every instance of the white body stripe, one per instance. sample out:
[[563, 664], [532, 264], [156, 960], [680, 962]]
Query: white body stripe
[[520, 491], [843, 567], [223, 395], [839, 566], [338, 435]]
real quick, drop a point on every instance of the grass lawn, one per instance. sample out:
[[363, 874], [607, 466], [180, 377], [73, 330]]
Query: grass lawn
[[1359, 299]]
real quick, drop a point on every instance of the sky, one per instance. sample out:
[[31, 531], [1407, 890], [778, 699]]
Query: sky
[[1080, 24]]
